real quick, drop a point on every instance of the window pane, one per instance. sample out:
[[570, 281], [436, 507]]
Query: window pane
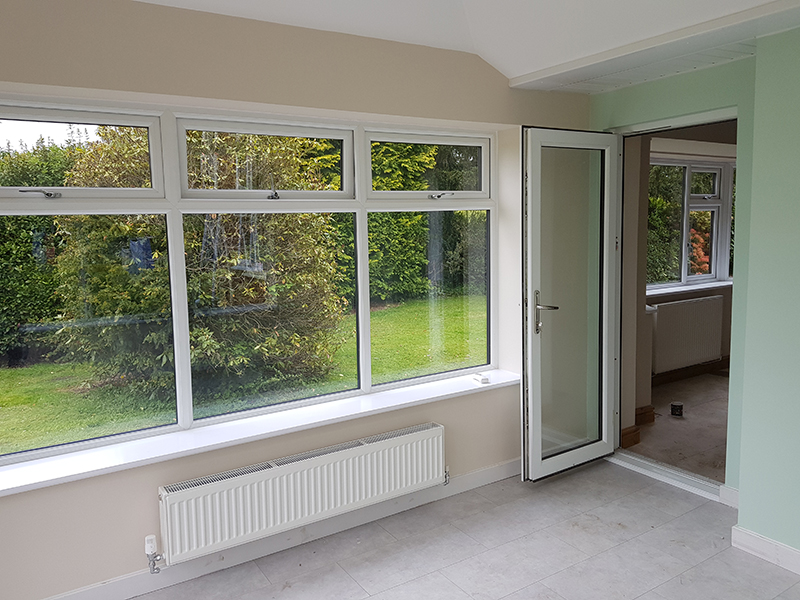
[[271, 303], [85, 328], [436, 167], [244, 161], [50, 154], [701, 227], [428, 286], [664, 224], [704, 183]]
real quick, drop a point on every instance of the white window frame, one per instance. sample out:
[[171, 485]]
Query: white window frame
[[442, 196], [257, 128], [172, 199], [719, 203], [89, 117]]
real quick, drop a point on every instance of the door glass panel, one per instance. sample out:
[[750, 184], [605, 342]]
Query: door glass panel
[[571, 267]]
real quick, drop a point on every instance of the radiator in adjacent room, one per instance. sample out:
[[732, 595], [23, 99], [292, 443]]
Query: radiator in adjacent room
[[220, 511], [687, 332]]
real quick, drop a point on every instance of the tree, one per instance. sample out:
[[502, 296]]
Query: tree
[[664, 223], [119, 159], [232, 161]]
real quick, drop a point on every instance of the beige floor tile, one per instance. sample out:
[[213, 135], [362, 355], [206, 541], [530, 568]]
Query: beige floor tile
[[512, 566], [222, 585], [537, 591], [730, 575], [320, 553], [410, 558], [328, 582], [515, 519], [609, 525], [429, 516], [429, 587]]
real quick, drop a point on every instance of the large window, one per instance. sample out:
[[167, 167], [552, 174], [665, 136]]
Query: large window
[[687, 242], [264, 280]]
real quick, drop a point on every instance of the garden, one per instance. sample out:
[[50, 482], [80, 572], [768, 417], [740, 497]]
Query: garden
[[86, 315]]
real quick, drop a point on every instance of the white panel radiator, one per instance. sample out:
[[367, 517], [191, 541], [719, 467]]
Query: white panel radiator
[[220, 511], [687, 332]]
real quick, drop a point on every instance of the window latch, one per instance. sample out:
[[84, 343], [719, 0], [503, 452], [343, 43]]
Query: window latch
[[45, 192], [439, 195]]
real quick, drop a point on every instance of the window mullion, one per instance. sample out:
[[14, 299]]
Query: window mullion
[[363, 182], [687, 181], [180, 319]]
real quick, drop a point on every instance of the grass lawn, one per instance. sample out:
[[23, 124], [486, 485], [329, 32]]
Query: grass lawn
[[48, 404]]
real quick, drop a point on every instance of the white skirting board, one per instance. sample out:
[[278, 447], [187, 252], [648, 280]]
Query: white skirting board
[[766, 548], [142, 582], [729, 496]]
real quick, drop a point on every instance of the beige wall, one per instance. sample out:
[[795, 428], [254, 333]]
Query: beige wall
[[72, 535], [78, 534], [132, 46]]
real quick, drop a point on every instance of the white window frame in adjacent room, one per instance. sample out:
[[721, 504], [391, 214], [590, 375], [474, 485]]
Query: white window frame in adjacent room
[[719, 203]]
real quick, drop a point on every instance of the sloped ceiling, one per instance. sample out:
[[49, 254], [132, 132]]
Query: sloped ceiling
[[573, 45]]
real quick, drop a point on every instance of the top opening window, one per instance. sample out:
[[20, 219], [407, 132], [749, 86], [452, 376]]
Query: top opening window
[[420, 166], [88, 152], [266, 164], [704, 183]]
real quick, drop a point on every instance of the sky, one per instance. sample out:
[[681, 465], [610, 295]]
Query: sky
[[29, 131]]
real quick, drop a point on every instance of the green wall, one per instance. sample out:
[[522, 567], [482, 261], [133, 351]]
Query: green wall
[[770, 437], [726, 86]]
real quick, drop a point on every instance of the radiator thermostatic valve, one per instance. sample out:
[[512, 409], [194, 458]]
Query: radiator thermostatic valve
[[151, 550]]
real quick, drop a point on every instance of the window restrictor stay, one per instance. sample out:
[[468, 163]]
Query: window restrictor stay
[[44, 192]]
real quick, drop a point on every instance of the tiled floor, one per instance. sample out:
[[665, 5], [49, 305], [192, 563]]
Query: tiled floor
[[696, 441], [598, 532]]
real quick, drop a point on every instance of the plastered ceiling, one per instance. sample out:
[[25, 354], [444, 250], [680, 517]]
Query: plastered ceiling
[[571, 45]]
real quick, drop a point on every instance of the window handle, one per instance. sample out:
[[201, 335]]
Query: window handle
[[537, 312]]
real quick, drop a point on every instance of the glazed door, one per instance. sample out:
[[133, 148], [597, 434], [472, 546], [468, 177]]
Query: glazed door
[[571, 299]]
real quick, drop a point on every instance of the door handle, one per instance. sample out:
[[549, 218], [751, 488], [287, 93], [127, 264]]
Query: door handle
[[537, 312]]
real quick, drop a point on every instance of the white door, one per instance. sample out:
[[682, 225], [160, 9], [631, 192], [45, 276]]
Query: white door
[[571, 299]]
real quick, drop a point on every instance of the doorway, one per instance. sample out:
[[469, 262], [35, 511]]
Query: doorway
[[683, 318]]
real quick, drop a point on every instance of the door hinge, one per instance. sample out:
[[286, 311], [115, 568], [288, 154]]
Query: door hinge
[[616, 247]]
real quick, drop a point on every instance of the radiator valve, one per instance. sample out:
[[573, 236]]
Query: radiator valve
[[151, 551]]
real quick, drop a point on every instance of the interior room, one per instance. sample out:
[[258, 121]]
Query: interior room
[[513, 94], [695, 377]]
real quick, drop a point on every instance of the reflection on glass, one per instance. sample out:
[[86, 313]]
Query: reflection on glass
[[436, 167], [428, 289], [701, 228], [571, 279], [51, 154], [664, 224], [85, 328], [245, 161], [271, 308], [704, 183]]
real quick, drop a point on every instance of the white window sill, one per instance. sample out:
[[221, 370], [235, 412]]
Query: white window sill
[[667, 290], [72, 466]]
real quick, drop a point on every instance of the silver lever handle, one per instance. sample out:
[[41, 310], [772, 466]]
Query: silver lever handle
[[537, 316]]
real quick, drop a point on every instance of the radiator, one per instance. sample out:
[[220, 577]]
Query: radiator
[[687, 332], [213, 513]]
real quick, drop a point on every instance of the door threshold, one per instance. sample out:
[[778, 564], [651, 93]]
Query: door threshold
[[697, 484]]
